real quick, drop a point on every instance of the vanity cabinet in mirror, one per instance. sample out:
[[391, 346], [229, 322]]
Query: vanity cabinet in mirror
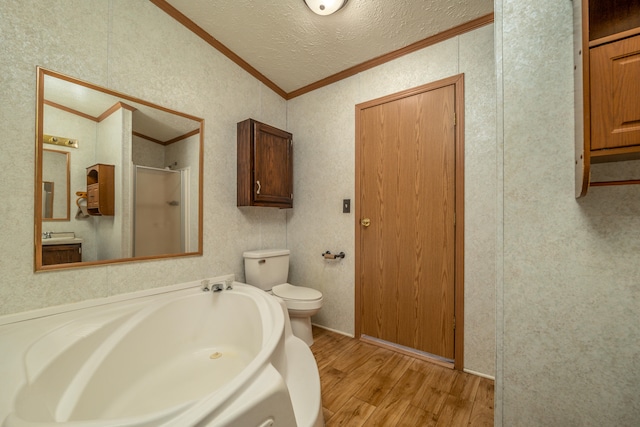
[[132, 138], [61, 254]]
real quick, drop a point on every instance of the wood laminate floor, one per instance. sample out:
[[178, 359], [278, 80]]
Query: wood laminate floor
[[365, 385]]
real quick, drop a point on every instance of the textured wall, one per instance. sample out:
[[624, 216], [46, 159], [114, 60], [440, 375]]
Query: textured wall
[[569, 298], [114, 134], [323, 124], [124, 45], [184, 154]]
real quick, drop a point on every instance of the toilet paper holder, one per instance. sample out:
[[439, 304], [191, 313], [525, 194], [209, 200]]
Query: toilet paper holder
[[329, 255]]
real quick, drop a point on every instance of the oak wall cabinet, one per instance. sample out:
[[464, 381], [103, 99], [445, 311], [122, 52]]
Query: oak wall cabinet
[[100, 189], [265, 165], [607, 80]]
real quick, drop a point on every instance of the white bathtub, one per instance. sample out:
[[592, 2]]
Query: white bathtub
[[179, 357]]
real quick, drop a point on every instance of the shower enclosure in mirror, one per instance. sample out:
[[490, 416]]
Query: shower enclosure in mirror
[[156, 157], [161, 206]]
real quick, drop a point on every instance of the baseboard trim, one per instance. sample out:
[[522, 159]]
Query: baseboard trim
[[333, 330], [427, 357], [479, 374]]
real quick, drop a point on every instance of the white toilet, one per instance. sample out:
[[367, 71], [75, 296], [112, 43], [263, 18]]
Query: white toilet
[[268, 270]]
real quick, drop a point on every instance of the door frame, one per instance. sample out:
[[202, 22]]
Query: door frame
[[458, 82]]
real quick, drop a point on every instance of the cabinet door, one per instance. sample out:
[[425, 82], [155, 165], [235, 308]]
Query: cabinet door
[[615, 94], [273, 166]]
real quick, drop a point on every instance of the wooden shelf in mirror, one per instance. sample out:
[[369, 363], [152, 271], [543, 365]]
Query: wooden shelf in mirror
[[100, 190]]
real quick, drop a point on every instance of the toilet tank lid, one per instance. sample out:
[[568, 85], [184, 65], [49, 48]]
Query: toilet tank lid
[[265, 253]]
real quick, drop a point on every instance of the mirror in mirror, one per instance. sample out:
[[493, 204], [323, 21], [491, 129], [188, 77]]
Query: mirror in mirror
[[55, 185], [132, 190]]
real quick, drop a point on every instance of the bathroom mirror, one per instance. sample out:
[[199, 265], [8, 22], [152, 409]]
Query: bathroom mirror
[[136, 164], [55, 185]]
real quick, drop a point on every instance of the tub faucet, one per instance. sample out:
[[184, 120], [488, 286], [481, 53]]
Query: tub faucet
[[217, 287], [204, 285], [46, 234]]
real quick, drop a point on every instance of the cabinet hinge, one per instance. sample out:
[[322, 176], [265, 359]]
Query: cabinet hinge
[[454, 118], [454, 322]]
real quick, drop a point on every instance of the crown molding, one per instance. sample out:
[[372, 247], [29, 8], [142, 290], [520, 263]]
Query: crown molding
[[421, 44]]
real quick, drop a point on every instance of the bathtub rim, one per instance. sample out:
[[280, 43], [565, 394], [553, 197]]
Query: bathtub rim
[[37, 313], [197, 409]]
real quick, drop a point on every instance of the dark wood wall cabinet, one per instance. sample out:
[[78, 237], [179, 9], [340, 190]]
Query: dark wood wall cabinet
[[607, 79], [100, 190], [61, 254], [265, 165]]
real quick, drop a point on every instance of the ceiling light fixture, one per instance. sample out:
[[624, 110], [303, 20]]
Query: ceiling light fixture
[[325, 7]]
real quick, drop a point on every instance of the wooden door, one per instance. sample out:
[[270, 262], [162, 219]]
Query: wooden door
[[408, 146]]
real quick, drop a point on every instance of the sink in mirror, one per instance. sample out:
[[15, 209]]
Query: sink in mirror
[[143, 159], [60, 238]]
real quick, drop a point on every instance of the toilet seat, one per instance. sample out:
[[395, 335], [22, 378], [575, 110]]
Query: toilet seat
[[298, 297]]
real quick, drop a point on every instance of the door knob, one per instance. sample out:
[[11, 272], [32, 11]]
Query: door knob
[[365, 222]]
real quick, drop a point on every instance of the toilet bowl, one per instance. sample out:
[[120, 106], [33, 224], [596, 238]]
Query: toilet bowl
[[302, 303], [268, 270]]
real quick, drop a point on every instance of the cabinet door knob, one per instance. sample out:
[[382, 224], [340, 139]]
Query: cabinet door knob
[[365, 222], [258, 184]]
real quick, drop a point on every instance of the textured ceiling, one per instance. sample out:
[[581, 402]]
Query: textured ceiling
[[293, 47]]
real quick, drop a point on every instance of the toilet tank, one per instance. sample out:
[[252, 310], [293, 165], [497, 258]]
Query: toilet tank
[[266, 268]]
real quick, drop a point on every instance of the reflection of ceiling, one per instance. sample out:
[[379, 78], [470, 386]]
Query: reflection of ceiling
[[293, 47], [153, 123]]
